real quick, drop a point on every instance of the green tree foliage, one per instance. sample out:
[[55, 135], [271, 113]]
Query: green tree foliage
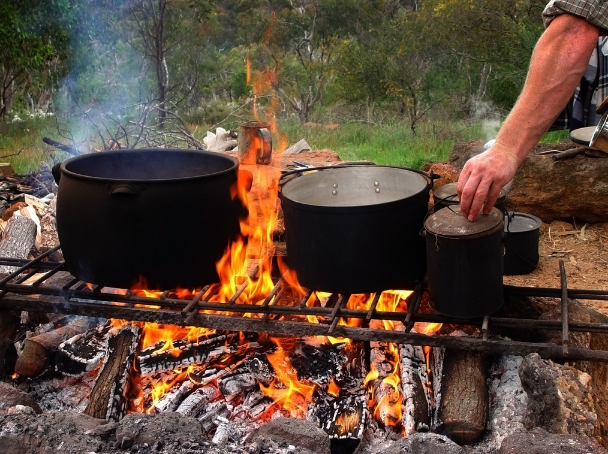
[[33, 47]]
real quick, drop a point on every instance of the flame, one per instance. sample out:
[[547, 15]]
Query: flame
[[153, 333], [385, 394], [286, 390], [333, 389], [428, 329]]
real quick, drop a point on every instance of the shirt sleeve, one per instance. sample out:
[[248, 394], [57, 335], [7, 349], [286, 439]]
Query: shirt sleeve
[[593, 11]]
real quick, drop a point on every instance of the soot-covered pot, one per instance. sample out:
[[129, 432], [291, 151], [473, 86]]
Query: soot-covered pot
[[165, 216]]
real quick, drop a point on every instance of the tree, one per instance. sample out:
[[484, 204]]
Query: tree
[[33, 46]]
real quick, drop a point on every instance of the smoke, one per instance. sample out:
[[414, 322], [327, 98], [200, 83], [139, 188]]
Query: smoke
[[489, 116]]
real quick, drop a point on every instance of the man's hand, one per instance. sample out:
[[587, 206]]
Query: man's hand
[[482, 179]]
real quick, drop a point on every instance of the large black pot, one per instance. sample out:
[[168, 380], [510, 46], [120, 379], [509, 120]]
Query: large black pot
[[166, 216], [356, 229]]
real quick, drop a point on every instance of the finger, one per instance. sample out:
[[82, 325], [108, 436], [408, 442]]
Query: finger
[[492, 198], [481, 195], [462, 180], [468, 195]]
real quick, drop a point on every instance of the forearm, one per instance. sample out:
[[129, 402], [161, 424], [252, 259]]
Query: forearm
[[559, 61]]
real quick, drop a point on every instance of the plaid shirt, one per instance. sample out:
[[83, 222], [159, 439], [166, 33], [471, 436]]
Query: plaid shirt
[[593, 87], [593, 11]]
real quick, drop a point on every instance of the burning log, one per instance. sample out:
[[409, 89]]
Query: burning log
[[108, 397], [318, 364], [154, 359], [83, 352], [18, 239], [39, 350], [348, 418], [383, 382], [171, 400], [462, 412], [415, 387]]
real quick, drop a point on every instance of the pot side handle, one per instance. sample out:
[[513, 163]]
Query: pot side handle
[[125, 189]]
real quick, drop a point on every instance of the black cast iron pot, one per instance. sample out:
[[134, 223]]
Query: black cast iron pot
[[356, 229], [163, 215]]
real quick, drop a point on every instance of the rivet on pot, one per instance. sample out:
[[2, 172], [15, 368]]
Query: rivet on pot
[[376, 184], [334, 192], [377, 189], [335, 185]]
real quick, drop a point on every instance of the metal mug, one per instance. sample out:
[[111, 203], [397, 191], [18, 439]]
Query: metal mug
[[599, 139], [254, 143]]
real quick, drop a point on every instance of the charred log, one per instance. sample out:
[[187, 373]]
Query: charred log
[[415, 388], [172, 399], [463, 409], [108, 397], [196, 402], [38, 351], [83, 352], [154, 359]]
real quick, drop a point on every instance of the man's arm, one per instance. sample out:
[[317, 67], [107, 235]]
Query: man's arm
[[559, 60]]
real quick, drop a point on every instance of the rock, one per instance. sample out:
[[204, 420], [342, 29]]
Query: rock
[[22, 433], [540, 442], [144, 428], [421, 443], [559, 397], [304, 435], [572, 188], [298, 147], [9, 397], [447, 174]]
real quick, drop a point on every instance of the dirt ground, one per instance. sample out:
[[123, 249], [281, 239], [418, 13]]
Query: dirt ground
[[584, 250]]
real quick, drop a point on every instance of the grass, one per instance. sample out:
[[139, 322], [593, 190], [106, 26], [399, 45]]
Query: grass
[[21, 144], [391, 144]]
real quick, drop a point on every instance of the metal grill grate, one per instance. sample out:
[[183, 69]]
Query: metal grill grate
[[277, 316]]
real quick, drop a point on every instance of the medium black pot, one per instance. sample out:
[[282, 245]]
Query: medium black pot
[[465, 263], [356, 229], [522, 233], [166, 216]]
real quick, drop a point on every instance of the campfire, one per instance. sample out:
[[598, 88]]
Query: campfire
[[257, 348]]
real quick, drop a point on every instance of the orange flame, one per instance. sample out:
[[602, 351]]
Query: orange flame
[[385, 394], [286, 390]]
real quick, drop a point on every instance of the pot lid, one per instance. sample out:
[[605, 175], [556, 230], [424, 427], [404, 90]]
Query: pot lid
[[450, 222], [355, 186], [521, 222], [449, 193]]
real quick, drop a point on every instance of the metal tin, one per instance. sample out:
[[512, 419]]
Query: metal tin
[[464, 263], [447, 195], [522, 232]]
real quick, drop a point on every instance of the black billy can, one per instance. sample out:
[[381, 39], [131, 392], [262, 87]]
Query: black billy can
[[464, 263], [522, 233]]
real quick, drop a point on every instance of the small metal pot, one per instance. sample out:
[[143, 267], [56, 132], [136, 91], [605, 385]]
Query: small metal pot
[[522, 232], [464, 263]]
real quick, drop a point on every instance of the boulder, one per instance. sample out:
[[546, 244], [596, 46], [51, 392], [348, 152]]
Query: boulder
[[559, 397], [539, 441], [572, 188]]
